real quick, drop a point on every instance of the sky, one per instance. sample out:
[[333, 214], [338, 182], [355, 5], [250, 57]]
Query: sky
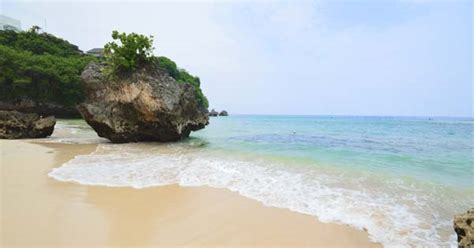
[[397, 58]]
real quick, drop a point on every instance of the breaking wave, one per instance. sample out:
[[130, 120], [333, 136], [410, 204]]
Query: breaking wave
[[396, 212]]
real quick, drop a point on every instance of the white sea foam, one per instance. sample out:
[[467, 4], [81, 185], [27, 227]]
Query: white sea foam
[[73, 133], [397, 217]]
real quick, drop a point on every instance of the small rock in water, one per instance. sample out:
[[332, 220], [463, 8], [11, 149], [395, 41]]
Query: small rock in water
[[223, 113], [464, 228], [17, 125], [213, 113]]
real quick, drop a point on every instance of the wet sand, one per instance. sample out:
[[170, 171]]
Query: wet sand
[[37, 211]]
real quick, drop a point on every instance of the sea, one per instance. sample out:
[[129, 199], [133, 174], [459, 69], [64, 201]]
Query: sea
[[402, 179]]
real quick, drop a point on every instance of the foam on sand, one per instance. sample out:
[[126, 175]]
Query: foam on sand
[[397, 216]]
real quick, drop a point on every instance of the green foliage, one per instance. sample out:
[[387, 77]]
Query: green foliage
[[41, 67], [38, 43], [129, 52], [169, 66], [182, 76]]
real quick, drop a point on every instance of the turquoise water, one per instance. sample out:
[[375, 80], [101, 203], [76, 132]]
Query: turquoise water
[[401, 179], [435, 150]]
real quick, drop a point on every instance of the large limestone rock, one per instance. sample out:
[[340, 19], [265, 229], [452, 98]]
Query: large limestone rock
[[17, 125], [147, 105], [464, 228], [223, 113]]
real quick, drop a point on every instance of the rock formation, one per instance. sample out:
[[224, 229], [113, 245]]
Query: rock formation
[[223, 113], [146, 105], [26, 105], [213, 113], [17, 125], [464, 228]]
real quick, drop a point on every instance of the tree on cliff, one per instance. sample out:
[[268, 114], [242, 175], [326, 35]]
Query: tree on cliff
[[128, 52], [133, 50]]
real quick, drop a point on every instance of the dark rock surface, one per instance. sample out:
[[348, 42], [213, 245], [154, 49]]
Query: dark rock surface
[[17, 125], [147, 105], [213, 113], [223, 113], [41, 108], [464, 228]]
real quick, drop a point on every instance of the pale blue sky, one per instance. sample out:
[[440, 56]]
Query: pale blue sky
[[401, 57]]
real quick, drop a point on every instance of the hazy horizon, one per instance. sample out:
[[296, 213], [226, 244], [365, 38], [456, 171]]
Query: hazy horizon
[[334, 58]]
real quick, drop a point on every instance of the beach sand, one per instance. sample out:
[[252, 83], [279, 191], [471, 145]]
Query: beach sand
[[38, 211]]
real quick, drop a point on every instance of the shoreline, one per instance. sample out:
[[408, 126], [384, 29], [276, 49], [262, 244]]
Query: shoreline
[[38, 210]]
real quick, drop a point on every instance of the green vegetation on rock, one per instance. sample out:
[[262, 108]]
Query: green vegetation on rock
[[40, 67], [182, 76], [128, 52]]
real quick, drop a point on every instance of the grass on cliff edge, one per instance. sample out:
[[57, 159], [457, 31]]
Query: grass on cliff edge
[[128, 52]]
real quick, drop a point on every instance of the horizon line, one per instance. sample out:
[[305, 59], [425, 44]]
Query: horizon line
[[354, 115]]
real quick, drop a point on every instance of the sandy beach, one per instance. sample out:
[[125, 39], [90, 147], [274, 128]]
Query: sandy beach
[[38, 211], [236, 124]]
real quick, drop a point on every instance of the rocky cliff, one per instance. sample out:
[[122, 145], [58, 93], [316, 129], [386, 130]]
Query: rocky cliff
[[16, 125], [146, 105], [41, 108]]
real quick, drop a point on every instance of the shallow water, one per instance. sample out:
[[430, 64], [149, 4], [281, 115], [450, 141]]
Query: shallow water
[[400, 178]]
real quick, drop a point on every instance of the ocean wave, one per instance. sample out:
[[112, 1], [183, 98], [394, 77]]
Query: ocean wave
[[74, 132], [393, 212]]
